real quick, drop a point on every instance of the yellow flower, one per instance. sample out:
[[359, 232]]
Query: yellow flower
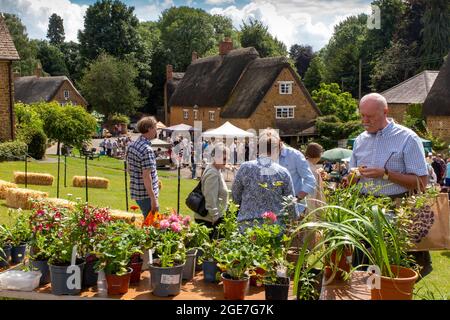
[[278, 183], [263, 185]]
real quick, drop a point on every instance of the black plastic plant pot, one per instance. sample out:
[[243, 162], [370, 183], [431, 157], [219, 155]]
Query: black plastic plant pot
[[18, 253], [210, 270], [5, 256], [90, 276], [189, 266], [277, 291], [42, 266], [166, 281], [61, 284]]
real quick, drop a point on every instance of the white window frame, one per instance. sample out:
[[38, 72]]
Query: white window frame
[[283, 85], [185, 114], [195, 114], [287, 112], [212, 115], [66, 94]]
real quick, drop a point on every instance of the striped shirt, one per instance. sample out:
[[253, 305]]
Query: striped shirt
[[395, 148], [140, 156]]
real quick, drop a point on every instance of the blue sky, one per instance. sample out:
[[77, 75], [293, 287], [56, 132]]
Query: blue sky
[[291, 21]]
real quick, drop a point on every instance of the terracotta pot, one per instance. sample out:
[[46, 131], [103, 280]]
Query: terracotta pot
[[258, 276], [234, 289], [118, 284], [399, 288], [344, 264], [292, 255], [136, 274]]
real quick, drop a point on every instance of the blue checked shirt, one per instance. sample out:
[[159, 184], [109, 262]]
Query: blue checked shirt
[[395, 148], [140, 156]]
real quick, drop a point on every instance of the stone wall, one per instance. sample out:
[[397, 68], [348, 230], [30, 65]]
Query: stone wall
[[5, 88], [74, 97], [439, 126], [397, 111]]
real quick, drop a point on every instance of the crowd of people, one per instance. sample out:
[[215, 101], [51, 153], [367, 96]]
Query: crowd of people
[[116, 147]]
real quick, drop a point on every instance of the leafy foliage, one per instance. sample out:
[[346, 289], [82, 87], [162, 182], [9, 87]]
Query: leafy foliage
[[52, 59], [331, 101], [55, 31], [13, 150], [255, 34], [302, 55]]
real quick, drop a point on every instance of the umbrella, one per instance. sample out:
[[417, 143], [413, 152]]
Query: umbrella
[[336, 154]]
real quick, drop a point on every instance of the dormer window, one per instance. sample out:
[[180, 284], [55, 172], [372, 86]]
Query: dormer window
[[285, 87]]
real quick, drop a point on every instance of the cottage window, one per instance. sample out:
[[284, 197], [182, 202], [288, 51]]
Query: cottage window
[[285, 87], [195, 114], [66, 94], [185, 114], [211, 115], [284, 112]]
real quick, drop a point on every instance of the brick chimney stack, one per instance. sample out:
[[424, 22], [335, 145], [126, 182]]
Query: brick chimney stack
[[169, 72], [225, 46], [194, 56]]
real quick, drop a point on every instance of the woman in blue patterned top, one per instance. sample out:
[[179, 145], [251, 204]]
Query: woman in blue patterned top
[[261, 185]]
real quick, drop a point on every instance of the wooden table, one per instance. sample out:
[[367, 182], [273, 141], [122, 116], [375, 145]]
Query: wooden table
[[197, 289]]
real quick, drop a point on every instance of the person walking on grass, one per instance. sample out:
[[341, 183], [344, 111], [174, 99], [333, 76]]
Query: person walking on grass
[[141, 161]]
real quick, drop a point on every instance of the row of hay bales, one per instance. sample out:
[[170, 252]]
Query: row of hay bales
[[45, 179], [23, 198]]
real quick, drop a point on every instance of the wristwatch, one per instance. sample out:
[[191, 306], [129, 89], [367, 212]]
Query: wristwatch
[[386, 174]]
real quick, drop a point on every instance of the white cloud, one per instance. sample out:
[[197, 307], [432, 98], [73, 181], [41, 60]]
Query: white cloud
[[297, 21], [35, 14], [218, 2], [152, 11]]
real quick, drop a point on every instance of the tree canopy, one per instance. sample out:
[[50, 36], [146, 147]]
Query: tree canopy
[[55, 32]]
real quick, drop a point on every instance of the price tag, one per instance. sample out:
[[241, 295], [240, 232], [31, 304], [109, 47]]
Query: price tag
[[170, 279]]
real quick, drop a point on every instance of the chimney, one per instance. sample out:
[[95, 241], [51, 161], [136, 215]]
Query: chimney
[[38, 70], [194, 56], [225, 46], [169, 72]]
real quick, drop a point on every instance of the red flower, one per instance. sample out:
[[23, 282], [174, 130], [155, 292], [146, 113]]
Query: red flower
[[270, 216], [134, 208]]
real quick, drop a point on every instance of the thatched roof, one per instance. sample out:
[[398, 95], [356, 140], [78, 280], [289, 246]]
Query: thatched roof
[[173, 84], [254, 84], [35, 89], [7, 49], [438, 100], [210, 81], [293, 127], [412, 90]]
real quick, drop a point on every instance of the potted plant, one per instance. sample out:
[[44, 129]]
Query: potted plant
[[139, 239], [196, 234], [20, 233], [5, 246], [235, 257], [167, 269], [209, 264], [113, 251]]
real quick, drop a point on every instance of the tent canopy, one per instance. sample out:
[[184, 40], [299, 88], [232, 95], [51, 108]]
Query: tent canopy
[[180, 127], [227, 130], [160, 125], [160, 143]]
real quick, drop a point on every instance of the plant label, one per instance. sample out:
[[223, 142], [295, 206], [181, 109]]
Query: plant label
[[170, 279]]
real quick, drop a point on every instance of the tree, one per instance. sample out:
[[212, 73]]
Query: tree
[[331, 101], [302, 56], [52, 59], [331, 129], [314, 74], [184, 30], [436, 33], [73, 59], [27, 49], [255, 34], [55, 32], [108, 85]]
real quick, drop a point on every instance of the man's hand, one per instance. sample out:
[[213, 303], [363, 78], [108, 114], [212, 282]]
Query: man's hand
[[154, 206], [371, 172]]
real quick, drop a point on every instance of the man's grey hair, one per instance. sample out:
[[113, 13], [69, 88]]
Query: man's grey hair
[[375, 97]]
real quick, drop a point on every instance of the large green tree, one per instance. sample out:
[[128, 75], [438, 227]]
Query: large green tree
[[52, 59], [436, 33], [109, 86], [315, 73], [255, 34], [73, 60], [27, 49], [55, 32], [302, 56]]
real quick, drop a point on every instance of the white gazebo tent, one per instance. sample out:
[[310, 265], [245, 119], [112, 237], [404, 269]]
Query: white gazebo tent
[[227, 130]]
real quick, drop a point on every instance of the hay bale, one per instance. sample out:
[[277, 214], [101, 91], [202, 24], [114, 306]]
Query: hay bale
[[23, 198], [60, 203], [5, 185], [132, 218], [40, 179], [93, 182]]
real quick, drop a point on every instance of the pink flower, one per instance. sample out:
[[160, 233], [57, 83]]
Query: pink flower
[[270, 215], [176, 227], [164, 224], [174, 218], [40, 212], [57, 215], [82, 222], [187, 220]]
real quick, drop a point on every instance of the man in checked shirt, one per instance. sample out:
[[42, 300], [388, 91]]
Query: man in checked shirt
[[141, 161], [390, 158]]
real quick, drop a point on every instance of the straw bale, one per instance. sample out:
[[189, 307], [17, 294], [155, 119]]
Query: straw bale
[[5, 185], [23, 198], [93, 182], [60, 203], [41, 179], [136, 219]]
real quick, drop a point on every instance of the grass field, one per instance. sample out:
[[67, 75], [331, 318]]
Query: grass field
[[112, 169], [435, 286]]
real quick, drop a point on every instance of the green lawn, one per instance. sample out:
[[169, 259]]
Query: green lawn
[[109, 168]]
